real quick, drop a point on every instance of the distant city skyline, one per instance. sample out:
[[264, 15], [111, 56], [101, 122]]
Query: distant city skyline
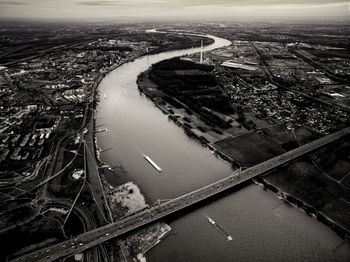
[[234, 9]]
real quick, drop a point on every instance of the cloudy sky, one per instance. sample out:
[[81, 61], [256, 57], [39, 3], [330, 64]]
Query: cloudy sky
[[77, 9]]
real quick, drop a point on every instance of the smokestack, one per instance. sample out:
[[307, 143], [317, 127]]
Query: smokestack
[[201, 57]]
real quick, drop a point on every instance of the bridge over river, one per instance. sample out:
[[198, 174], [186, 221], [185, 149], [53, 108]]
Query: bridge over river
[[97, 236]]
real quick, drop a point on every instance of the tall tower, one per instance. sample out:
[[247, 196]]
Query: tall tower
[[201, 56]]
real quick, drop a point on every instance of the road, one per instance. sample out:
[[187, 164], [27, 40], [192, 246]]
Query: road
[[272, 79], [94, 176], [97, 236], [87, 220], [308, 58]]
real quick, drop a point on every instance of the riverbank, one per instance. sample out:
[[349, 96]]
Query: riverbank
[[206, 133], [125, 200], [304, 207], [145, 239], [96, 95]]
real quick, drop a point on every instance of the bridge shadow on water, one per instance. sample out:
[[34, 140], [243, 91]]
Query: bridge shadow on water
[[180, 213]]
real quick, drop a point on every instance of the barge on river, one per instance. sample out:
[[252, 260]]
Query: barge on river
[[152, 163], [220, 229]]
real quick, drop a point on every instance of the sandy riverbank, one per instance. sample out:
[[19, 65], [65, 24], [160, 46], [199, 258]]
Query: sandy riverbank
[[125, 200]]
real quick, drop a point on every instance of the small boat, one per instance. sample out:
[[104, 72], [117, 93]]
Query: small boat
[[101, 130], [125, 92], [211, 221], [105, 96]]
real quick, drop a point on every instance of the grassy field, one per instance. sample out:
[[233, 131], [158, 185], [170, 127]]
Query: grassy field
[[252, 148], [320, 183]]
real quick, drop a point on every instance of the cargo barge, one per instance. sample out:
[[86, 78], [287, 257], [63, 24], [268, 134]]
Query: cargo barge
[[152, 163]]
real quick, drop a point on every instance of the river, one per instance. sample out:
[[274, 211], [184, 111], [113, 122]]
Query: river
[[263, 227]]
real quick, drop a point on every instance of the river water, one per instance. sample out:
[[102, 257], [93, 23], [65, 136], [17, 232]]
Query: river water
[[263, 227]]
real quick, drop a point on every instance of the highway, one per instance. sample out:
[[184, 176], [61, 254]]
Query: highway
[[97, 236], [308, 58], [88, 221]]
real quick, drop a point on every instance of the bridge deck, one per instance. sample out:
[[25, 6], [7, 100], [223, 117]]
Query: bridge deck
[[97, 236]]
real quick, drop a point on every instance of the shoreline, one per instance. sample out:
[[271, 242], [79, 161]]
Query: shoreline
[[103, 165], [304, 207], [102, 75], [202, 140]]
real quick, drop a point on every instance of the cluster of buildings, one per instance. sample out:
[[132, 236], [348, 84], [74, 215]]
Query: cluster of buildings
[[21, 138], [43, 98], [292, 109], [248, 86], [47, 80]]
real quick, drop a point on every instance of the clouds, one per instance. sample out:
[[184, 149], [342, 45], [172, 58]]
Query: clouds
[[218, 3], [136, 3], [170, 3], [177, 8], [97, 3], [12, 3]]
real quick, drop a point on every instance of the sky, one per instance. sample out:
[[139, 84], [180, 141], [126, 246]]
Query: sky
[[100, 9]]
